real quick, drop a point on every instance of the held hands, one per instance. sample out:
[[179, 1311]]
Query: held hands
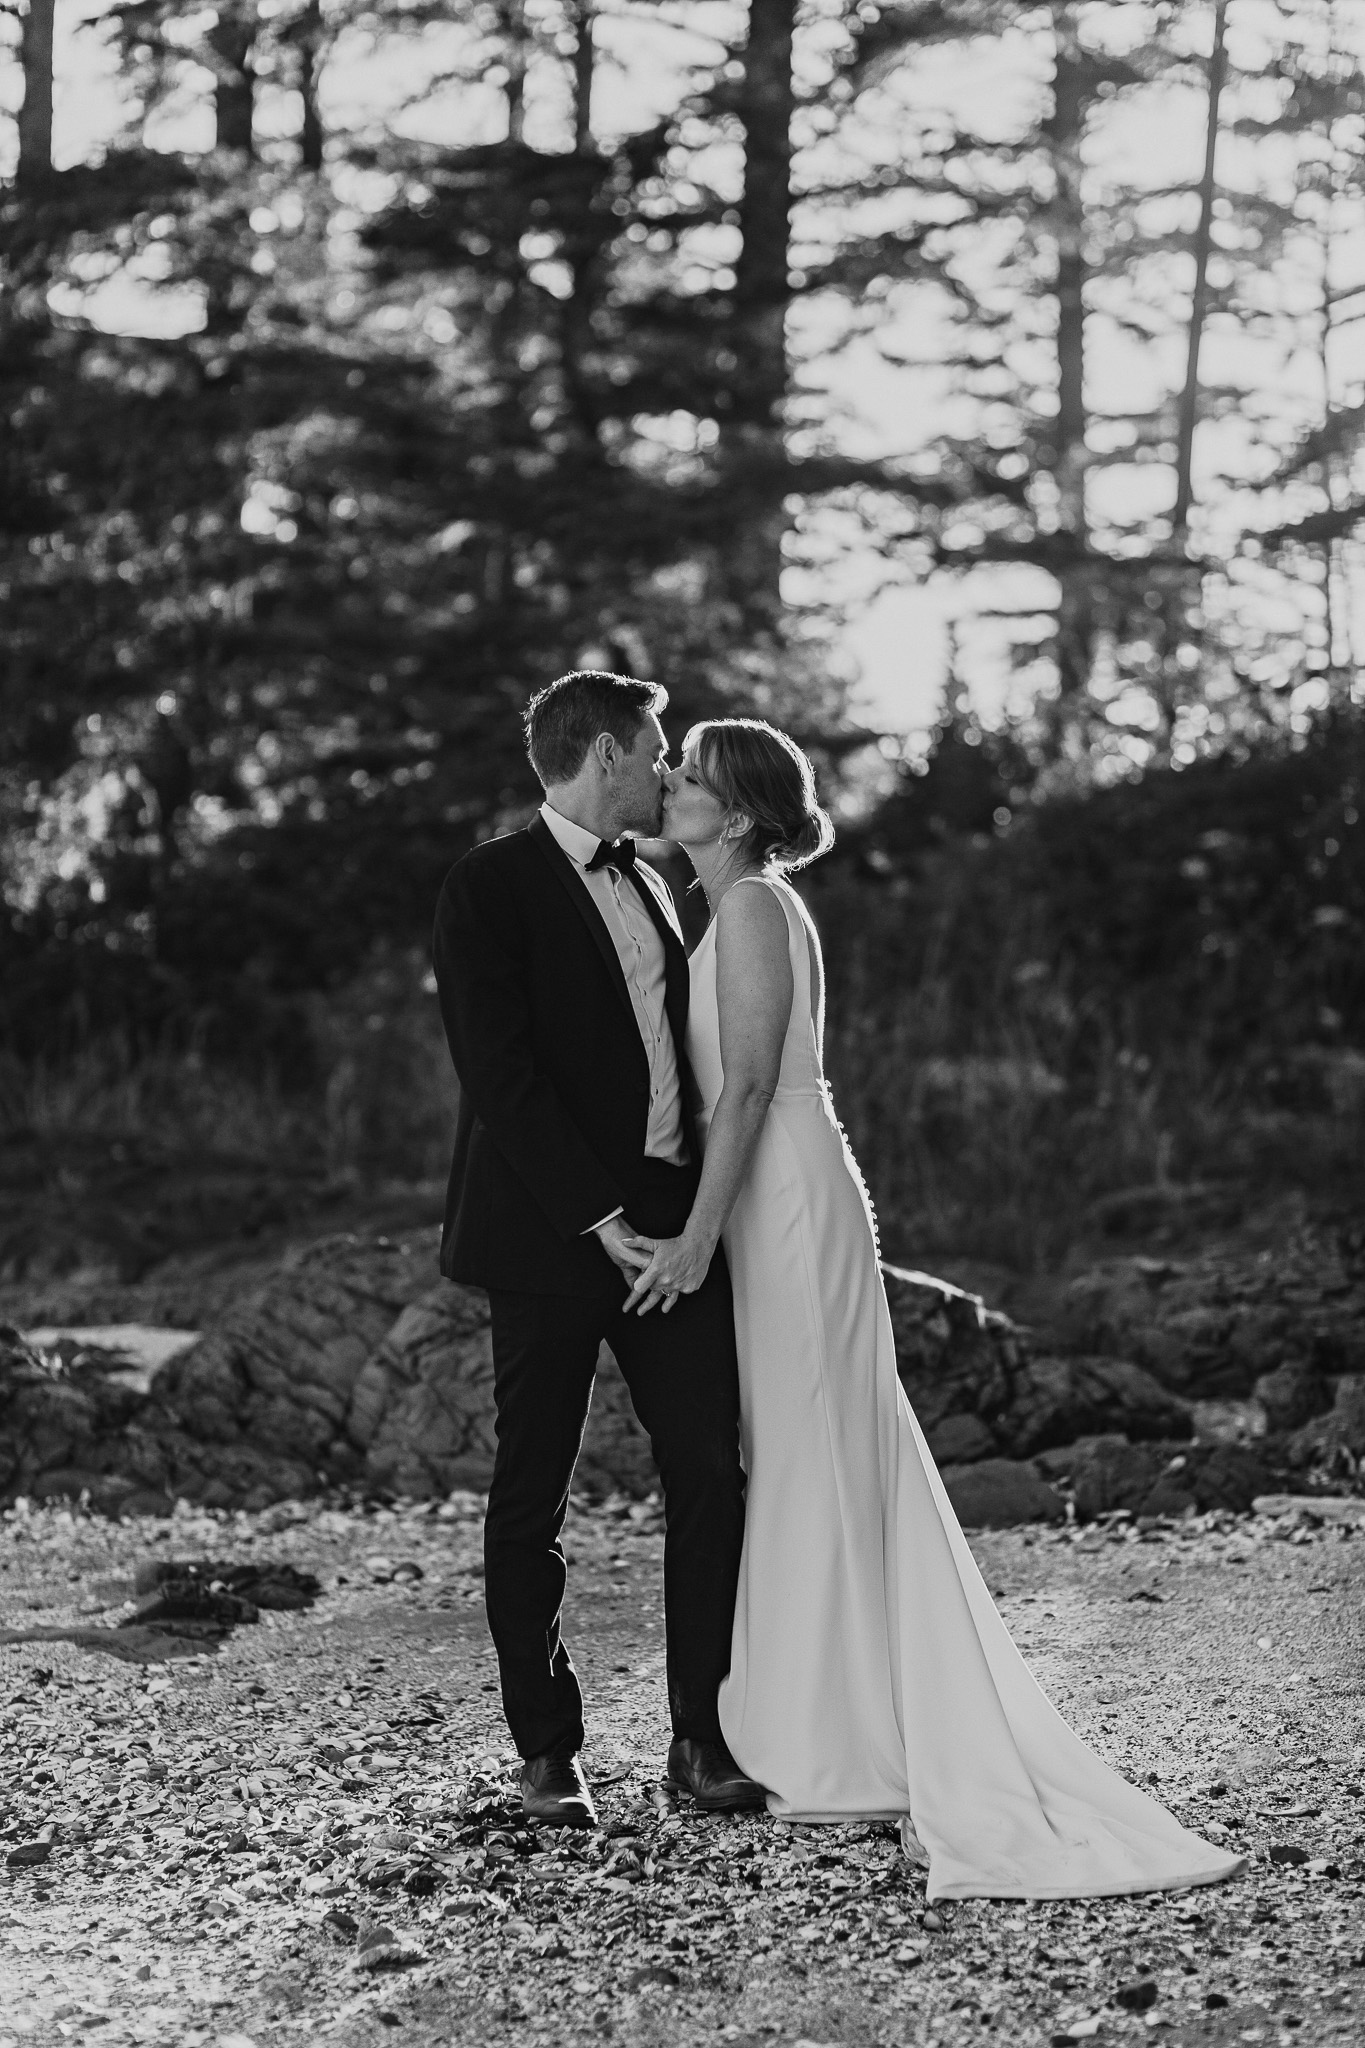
[[628, 1253], [679, 1266]]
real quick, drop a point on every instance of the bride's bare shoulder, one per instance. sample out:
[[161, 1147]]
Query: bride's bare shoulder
[[752, 947], [749, 911]]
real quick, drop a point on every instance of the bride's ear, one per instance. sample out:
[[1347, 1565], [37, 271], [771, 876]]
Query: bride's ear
[[737, 826]]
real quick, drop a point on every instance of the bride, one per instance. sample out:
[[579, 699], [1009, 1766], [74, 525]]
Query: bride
[[871, 1676]]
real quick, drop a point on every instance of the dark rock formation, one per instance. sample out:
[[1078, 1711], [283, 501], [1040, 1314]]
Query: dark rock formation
[[971, 1379], [1292, 1395], [1216, 1324], [1335, 1440], [66, 1431], [354, 1363], [358, 1363], [275, 1381], [1055, 1400], [960, 1440], [422, 1407], [1109, 1472], [999, 1492], [955, 1356], [1105, 1472]]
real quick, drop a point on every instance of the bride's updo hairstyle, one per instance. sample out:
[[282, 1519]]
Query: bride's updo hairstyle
[[748, 765]]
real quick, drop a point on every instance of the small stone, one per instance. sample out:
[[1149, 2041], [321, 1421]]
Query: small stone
[[652, 1973], [278, 1987], [343, 1926], [27, 1855], [931, 1922], [1136, 1997], [1287, 1852], [407, 1572], [382, 1948], [237, 1844], [1214, 2001]]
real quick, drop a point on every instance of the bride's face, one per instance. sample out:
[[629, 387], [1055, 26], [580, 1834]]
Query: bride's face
[[692, 815]]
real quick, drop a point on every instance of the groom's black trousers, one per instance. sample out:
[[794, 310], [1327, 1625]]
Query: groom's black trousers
[[681, 1372]]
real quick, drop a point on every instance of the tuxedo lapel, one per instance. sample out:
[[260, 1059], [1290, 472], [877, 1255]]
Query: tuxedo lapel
[[578, 893]]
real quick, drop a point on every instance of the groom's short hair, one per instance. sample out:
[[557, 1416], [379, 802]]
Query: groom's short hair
[[564, 718]]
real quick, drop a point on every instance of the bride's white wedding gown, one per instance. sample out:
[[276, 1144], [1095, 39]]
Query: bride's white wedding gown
[[871, 1675]]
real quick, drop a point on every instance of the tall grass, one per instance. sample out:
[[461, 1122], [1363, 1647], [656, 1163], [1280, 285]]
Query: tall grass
[[998, 1101], [996, 1096], [169, 1100], [380, 1103]]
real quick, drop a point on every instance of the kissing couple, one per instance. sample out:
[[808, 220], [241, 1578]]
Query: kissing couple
[[647, 1154]]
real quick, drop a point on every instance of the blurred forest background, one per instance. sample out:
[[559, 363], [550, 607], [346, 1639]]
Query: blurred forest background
[[385, 358]]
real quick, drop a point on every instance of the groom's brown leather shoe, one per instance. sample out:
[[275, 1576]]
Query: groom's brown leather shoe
[[709, 1772], [554, 1790]]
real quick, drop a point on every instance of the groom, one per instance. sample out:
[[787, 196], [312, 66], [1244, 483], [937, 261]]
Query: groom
[[563, 987]]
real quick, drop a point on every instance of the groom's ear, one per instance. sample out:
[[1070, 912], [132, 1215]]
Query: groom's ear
[[607, 749]]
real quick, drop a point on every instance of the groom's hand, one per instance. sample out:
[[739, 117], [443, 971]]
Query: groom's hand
[[678, 1266], [628, 1253]]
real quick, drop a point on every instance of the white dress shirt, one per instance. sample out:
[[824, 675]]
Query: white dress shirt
[[640, 951]]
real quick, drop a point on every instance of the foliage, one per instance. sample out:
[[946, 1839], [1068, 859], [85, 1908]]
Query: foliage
[[1157, 981], [406, 419]]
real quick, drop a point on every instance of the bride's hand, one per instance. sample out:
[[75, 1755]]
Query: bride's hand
[[679, 1266]]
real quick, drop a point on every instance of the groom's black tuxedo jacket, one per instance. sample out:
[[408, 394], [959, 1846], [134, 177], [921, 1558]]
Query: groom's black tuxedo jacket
[[554, 1077]]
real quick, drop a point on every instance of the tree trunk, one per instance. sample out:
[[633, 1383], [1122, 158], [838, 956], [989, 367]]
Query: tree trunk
[[35, 115], [230, 40], [310, 66], [234, 92], [1182, 592], [512, 22], [754, 432], [583, 58], [581, 248], [1189, 396], [1065, 131]]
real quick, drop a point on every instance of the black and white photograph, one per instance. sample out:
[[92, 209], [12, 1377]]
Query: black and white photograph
[[682, 1023]]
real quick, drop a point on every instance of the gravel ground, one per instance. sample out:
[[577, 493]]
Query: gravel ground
[[312, 1831]]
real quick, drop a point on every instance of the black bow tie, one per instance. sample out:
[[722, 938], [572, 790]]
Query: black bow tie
[[621, 855]]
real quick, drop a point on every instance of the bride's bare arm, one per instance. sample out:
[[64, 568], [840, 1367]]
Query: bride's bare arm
[[754, 998]]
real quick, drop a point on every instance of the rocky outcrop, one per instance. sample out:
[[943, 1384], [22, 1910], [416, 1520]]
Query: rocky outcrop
[[979, 1391], [355, 1364], [1105, 1473], [1218, 1324], [997, 1493], [422, 1407], [1338, 1436], [1055, 1400], [1292, 1395]]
